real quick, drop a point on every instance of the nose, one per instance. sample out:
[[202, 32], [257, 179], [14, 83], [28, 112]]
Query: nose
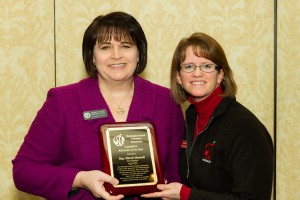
[[197, 72], [116, 53]]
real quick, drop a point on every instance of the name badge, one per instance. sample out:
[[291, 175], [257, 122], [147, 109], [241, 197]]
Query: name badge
[[94, 114]]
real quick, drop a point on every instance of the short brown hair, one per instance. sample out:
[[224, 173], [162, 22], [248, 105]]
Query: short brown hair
[[207, 47], [119, 25]]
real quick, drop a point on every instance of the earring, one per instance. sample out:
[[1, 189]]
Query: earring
[[181, 87], [223, 81]]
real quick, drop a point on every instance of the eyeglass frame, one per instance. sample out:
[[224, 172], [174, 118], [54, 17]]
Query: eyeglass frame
[[217, 67]]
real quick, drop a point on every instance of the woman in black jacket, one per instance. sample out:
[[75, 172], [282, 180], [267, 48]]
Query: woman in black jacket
[[227, 152]]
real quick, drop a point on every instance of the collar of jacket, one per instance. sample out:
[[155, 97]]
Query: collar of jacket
[[141, 109], [191, 117]]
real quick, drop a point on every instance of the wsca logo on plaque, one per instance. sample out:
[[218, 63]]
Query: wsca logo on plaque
[[119, 140]]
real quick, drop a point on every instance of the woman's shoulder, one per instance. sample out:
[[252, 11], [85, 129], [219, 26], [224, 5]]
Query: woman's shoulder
[[147, 85], [73, 86], [241, 112], [153, 92], [241, 119], [72, 89]]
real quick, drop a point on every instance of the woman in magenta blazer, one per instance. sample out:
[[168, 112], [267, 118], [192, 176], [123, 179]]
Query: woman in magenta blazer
[[60, 155]]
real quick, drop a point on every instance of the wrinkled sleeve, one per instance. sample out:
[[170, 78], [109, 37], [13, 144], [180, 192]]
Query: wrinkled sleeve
[[36, 167]]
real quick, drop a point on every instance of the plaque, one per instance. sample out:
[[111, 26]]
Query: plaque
[[130, 153]]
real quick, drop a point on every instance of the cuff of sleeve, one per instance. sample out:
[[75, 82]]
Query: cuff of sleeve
[[185, 192]]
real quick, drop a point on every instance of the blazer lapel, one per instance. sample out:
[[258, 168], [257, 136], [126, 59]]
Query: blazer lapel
[[143, 101], [93, 102], [141, 108]]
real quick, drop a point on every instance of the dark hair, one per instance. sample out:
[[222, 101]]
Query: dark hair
[[119, 25], [207, 47]]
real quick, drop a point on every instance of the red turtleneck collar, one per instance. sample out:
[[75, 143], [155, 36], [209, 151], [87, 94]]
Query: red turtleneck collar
[[205, 108]]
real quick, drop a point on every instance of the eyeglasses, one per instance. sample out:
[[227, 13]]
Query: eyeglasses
[[208, 68]]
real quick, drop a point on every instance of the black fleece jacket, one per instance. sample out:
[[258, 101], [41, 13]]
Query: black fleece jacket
[[231, 159]]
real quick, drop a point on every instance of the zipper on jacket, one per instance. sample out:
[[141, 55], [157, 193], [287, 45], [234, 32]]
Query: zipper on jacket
[[188, 157]]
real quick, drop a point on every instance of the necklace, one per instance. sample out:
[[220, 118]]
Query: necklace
[[121, 110]]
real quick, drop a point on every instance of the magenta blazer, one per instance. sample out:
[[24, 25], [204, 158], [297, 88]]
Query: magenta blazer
[[60, 142]]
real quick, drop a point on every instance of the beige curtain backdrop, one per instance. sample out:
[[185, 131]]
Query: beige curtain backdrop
[[40, 48]]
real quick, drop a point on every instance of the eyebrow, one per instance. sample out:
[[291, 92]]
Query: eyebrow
[[202, 63], [127, 42], [122, 42]]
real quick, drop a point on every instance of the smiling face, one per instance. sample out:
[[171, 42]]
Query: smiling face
[[114, 60], [198, 84]]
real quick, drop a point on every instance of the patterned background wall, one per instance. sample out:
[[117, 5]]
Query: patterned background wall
[[40, 47], [288, 126]]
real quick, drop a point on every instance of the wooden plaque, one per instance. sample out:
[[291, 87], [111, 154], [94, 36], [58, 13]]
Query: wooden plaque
[[130, 153]]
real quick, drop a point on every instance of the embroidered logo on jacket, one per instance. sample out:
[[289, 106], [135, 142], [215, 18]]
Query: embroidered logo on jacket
[[207, 155]]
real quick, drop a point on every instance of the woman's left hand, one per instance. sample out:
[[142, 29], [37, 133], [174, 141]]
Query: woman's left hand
[[168, 191]]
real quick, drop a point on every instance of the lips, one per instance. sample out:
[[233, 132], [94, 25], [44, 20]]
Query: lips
[[117, 65], [198, 82]]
